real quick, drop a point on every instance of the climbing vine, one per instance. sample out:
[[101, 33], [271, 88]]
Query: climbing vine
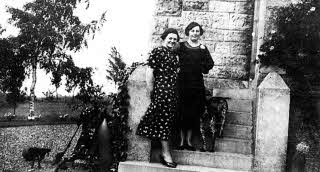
[[293, 45], [96, 106], [117, 122]]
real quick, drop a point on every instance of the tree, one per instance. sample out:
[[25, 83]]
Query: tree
[[116, 66], [12, 72], [48, 29], [56, 78]]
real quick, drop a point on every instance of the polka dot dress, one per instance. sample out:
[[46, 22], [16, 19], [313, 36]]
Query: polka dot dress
[[158, 120]]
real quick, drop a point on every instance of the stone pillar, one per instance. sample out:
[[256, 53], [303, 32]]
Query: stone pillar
[[273, 100], [138, 148]]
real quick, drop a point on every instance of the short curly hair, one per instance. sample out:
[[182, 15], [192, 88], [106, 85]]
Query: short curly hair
[[168, 31], [192, 25]]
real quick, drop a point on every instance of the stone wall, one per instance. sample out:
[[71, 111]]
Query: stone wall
[[228, 28]]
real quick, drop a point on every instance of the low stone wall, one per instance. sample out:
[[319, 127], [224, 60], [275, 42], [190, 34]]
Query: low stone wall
[[14, 139]]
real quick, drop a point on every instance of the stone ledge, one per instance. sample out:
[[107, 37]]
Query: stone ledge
[[212, 83], [137, 166], [224, 160]]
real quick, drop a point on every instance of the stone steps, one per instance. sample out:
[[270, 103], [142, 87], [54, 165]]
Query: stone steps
[[140, 166], [240, 99], [227, 144], [240, 105], [238, 131], [233, 93], [239, 118], [213, 160], [232, 145]]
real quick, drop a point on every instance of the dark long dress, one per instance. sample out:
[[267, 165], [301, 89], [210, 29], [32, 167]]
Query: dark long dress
[[157, 123], [194, 62]]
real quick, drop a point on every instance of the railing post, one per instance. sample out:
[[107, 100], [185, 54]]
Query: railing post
[[138, 148], [273, 102]]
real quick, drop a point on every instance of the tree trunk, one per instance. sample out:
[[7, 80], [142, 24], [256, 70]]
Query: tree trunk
[[73, 93], [14, 108], [33, 84], [57, 93]]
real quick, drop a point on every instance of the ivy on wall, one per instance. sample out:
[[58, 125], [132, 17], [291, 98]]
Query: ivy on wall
[[294, 45], [294, 41], [117, 122]]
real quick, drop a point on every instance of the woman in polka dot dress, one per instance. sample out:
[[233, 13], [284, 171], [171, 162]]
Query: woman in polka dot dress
[[161, 78]]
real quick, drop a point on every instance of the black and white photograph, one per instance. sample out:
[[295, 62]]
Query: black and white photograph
[[159, 86]]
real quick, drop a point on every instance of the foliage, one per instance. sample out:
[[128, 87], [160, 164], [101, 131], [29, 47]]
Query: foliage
[[48, 30], [116, 66], [76, 77], [48, 95], [12, 72], [96, 106], [113, 107], [117, 122], [294, 44]]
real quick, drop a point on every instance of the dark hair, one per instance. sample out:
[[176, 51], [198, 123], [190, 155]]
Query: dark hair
[[192, 25], [168, 31]]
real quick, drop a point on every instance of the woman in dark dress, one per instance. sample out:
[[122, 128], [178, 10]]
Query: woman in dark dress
[[161, 79], [195, 60]]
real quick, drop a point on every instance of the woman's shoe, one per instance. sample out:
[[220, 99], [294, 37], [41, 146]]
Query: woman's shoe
[[168, 164], [190, 148]]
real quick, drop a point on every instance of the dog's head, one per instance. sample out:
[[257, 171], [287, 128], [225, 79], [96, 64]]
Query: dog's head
[[46, 151]]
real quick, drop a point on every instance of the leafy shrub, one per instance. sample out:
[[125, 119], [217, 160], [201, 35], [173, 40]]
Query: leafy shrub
[[294, 45]]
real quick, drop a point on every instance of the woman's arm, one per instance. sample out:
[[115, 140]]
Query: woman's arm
[[149, 79], [207, 63]]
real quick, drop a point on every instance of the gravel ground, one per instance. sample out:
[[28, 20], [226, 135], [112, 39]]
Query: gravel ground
[[14, 139]]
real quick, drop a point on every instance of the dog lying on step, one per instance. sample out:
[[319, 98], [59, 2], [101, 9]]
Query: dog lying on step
[[33, 153], [212, 120]]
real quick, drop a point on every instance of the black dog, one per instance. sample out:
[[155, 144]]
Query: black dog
[[213, 119], [33, 153]]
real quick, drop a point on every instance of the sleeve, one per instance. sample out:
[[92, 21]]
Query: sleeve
[[153, 60], [207, 62]]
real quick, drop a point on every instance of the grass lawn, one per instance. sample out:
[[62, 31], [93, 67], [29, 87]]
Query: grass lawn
[[49, 110]]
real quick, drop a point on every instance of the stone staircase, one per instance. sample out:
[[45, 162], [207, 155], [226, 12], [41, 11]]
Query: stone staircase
[[234, 152]]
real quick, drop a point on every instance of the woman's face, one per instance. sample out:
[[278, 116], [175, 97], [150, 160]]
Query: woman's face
[[194, 34], [171, 40]]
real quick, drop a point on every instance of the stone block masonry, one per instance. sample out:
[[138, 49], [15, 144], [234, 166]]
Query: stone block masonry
[[138, 147], [228, 32]]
